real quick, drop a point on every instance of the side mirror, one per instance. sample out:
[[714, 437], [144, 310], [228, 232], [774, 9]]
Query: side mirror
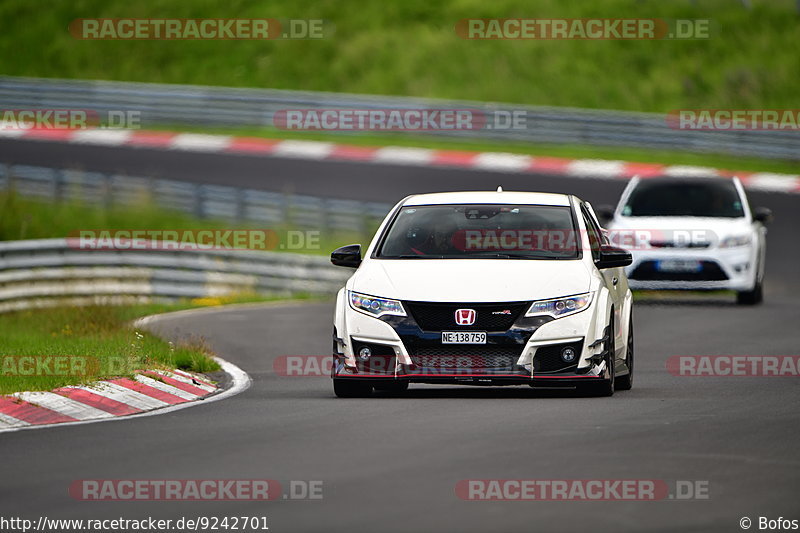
[[347, 256], [762, 214], [611, 256], [604, 213]]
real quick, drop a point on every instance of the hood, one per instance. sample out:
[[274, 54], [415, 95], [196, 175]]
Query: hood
[[470, 280]]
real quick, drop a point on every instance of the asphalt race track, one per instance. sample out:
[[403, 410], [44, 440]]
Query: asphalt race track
[[392, 464]]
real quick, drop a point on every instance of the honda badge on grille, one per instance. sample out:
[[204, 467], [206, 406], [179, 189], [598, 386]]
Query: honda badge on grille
[[465, 317]]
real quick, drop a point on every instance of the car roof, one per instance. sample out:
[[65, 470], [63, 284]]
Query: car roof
[[489, 197]]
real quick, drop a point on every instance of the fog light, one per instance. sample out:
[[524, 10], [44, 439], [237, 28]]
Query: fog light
[[568, 354], [364, 353]]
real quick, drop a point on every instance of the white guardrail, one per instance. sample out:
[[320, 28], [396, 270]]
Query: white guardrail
[[202, 201], [190, 104], [45, 272]]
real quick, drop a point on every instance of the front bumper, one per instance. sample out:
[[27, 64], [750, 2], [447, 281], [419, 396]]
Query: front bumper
[[731, 269], [567, 379], [526, 353]]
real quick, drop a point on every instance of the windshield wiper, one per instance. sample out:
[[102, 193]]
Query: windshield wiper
[[503, 255], [479, 255], [411, 256], [540, 254]]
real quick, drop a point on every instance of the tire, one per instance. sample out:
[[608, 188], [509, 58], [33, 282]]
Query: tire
[[753, 297], [351, 388], [392, 387], [626, 382]]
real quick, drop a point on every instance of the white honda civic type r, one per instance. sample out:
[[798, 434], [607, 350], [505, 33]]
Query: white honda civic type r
[[484, 288], [692, 233]]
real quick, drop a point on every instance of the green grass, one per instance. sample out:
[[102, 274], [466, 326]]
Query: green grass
[[26, 218], [670, 157], [95, 342], [98, 342], [410, 48]]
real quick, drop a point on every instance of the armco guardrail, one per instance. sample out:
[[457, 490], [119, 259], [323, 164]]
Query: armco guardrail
[[186, 104], [202, 201], [37, 273]]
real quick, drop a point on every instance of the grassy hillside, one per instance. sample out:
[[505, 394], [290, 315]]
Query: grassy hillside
[[409, 47]]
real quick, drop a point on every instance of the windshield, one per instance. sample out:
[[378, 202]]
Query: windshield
[[708, 198], [479, 231]]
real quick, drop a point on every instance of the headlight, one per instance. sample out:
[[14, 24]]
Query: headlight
[[736, 240], [375, 306], [559, 307]]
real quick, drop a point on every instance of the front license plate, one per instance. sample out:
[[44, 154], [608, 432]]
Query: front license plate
[[463, 337], [679, 265]]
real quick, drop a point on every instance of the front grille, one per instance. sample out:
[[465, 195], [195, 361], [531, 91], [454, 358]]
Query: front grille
[[710, 271], [547, 359], [466, 357], [489, 317], [673, 244]]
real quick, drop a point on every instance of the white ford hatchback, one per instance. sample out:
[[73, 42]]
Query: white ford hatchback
[[692, 233], [484, 288]]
